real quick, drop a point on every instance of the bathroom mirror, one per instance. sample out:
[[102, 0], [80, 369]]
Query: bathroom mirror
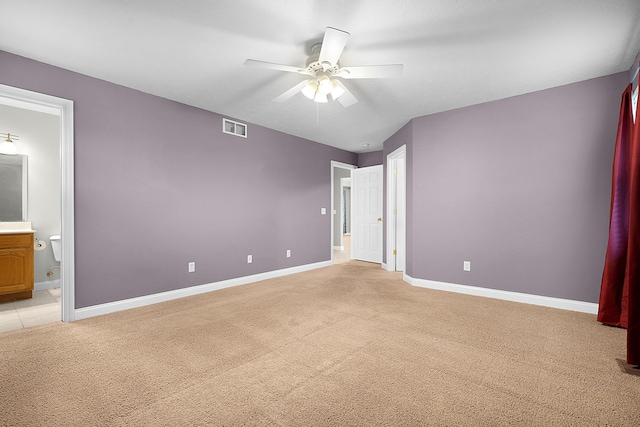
[[13, 187]]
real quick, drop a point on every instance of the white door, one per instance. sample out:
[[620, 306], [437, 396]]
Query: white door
[[366, 209], [396, 210]]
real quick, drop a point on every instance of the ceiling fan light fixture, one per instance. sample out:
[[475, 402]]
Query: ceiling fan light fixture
[[321, 97], [336, 90], [325, 85], [309, 89]]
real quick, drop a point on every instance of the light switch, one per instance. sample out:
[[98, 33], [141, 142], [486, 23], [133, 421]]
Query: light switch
[[466, 266], [323, 211]]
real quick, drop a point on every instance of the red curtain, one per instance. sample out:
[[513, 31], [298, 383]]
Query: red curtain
[[632, 278], [620, 290]]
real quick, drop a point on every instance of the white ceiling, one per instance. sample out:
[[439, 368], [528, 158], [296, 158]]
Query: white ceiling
[[455, 53]]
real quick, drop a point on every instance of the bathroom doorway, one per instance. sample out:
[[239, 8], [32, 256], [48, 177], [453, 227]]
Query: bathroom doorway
[[36, 136], [62, 109]]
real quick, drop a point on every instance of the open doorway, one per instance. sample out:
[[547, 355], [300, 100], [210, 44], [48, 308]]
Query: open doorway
[[62, 108], [340, 212], [36, 138]]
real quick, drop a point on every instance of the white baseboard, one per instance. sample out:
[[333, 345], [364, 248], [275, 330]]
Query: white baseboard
[[385, 267], [112, 307], [565, 304], [49, 284]]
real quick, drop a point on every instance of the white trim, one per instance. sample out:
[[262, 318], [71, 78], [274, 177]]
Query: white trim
[[64, 108], [338, 248], [67, 263], [564, 304], [112, 307], [27, 105], [336, 164], [385, 267]]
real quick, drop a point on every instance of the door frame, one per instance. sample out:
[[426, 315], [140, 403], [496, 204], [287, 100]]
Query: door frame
[[396, 190], [334, 165], [64, 109]]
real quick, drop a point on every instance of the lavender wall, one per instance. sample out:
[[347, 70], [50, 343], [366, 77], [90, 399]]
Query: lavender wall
[[157, 184], [520, 187], [373, 158]]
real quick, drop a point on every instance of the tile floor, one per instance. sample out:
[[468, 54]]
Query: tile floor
[[43, 308]]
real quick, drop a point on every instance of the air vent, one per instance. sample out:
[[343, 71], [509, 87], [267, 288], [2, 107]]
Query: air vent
[[234, 128]]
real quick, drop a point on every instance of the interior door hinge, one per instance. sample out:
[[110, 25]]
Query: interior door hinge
[[395, 211], [395, 252], [395, 171]]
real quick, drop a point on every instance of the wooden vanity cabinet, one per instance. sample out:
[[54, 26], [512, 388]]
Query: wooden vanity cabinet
[[16, 266]]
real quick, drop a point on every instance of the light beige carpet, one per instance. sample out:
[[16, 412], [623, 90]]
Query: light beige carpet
[[349, 344]]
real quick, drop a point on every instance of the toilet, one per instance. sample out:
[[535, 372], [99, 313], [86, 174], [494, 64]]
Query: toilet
[[56, 245]]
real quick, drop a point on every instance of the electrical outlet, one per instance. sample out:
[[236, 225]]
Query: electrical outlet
[[288, 253], [323, 211], [192, 267], [466, 266], [249, 259]]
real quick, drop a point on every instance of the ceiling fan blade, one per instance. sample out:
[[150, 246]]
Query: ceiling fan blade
[[346, 99], [371, 72], [273, 66], [288, 94], [332, 45]]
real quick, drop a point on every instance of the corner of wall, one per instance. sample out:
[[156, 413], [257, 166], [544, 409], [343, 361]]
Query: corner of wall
[[373, 158]]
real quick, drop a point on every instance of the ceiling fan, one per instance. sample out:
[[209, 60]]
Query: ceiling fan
[[324, 69]]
